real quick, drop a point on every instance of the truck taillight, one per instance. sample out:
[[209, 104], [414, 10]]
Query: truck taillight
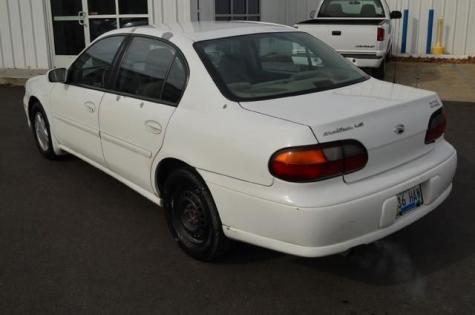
[[381, 34], [317, 162], [437, 126]]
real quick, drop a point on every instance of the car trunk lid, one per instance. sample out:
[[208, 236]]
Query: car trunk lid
[[390, 120]]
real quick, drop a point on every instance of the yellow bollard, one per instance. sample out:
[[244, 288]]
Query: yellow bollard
[[439, 49]]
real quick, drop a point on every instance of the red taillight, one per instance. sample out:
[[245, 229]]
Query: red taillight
[[381, 33], [317, 162], [437, 126]]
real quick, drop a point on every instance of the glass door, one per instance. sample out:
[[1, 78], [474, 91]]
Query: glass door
[[69, 30], [106, 15], [78, 22]]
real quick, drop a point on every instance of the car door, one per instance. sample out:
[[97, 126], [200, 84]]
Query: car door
[[75, 104], [149, 83]]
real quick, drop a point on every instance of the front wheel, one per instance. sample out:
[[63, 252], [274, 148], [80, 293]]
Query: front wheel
[[192, 216], [42, 132]]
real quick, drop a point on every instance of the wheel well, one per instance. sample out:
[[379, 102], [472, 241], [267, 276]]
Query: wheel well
[[31, 101], [166, 167]]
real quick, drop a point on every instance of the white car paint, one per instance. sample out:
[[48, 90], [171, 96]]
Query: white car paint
[[76, 119], [230, 144], [356, 41]]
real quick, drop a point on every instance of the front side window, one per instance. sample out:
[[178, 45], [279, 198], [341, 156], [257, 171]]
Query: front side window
[[272, 65], [93, 67], [145, 67], [352, 9]]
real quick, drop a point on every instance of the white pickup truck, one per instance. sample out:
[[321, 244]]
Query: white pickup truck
[[360, 30]]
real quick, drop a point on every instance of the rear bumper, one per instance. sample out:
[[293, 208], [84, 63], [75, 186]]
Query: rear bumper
[[333, 228], [365, 60]]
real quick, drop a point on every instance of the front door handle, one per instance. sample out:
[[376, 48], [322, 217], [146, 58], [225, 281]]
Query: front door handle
[[336, 33], [153, 127], [90, 106]]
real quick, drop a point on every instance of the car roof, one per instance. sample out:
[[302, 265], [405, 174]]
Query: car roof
[[198, 31]]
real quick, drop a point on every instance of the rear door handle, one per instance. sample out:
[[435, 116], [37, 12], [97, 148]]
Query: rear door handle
[[153, 127], [336, 33], [90, 106]]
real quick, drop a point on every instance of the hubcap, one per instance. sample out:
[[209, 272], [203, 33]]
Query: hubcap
[[191, 217], [41, 132]]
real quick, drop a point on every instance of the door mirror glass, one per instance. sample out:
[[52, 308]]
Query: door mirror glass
[[396, 15], [57, 75]]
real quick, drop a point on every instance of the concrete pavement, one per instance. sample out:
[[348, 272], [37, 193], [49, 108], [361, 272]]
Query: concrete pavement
[[453, 82]]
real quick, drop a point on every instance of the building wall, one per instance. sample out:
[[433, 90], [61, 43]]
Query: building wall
[[23, 37], [459, 29], [25, 41], [459, 17], [276, 11], [287, 11], [169, 11]]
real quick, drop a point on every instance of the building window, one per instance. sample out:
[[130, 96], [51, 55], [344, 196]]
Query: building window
[[227, 10]]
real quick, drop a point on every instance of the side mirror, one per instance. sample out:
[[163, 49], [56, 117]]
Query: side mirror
[[313, 14], [57, 75], [396, 15]]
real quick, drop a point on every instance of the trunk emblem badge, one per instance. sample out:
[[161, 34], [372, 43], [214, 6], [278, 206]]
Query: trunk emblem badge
[[399, 129]]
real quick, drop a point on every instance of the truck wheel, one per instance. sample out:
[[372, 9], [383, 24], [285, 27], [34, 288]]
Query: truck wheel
[[192, 216], [379, 73]]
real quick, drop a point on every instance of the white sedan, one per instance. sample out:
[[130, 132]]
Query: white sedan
[[248, 131]]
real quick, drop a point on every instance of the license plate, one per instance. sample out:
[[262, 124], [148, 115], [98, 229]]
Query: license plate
[[409, 200]]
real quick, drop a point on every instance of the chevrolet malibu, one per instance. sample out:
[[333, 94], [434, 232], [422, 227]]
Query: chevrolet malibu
[[248, 131]]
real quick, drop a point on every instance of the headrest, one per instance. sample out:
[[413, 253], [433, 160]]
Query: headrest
[[368, 10], [335, 10]]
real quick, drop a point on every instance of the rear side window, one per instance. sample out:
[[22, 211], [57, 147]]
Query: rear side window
[[94, 66], [144, 68], [352, 8], [175, 84]]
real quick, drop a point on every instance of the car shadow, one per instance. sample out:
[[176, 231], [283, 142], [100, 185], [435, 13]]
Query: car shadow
[[242, 253], [437, 241], [433, 243]]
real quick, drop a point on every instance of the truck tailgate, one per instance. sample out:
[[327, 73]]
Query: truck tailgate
[[351, 36]]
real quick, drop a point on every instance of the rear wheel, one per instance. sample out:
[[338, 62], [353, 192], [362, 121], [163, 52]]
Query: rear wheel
[[42, 132], [192, 216]]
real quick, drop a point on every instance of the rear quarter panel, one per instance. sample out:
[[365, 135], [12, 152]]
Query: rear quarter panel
[[212, 133]]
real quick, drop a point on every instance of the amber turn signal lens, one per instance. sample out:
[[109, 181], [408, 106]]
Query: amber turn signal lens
[[317, 162]]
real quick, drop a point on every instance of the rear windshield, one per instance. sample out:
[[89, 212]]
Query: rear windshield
[[272, 65], [352, 8]]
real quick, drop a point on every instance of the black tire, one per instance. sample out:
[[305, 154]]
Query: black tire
[[192, 216], [44, 144], [380, 73]]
